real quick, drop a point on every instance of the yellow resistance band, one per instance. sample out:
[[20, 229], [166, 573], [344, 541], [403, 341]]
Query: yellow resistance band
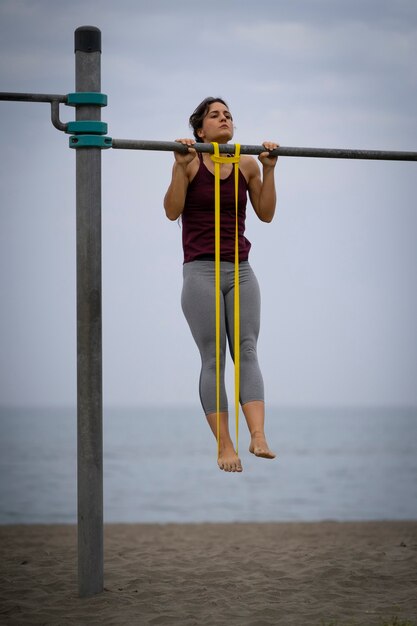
[[217, 160]]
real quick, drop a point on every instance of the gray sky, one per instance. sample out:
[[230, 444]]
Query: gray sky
[[336, 266]]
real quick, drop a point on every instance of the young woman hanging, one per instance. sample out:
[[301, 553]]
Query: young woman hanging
[[191, 195]]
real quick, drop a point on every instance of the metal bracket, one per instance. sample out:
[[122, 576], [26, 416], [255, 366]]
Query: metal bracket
[[86, 97], [87, 133], [87, 127], [90, 141]]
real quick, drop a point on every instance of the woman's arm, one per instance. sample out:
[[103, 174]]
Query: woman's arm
[[262, 191], [175, 196]]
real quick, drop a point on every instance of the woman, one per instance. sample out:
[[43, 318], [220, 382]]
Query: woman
[[191, 196]]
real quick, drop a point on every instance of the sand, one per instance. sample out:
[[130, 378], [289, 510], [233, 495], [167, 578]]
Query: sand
[[214, 574]]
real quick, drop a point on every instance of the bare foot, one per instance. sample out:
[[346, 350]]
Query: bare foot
[[259, 447], [229, 461]]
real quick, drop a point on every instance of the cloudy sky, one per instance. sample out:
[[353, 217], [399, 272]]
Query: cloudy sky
[[336, 266]]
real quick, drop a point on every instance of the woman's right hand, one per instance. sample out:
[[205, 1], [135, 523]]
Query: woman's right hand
[[185, 159]]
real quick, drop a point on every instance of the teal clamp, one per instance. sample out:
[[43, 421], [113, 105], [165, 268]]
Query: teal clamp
[[87, 127], [86, 98], [88, 133], [90, 141]]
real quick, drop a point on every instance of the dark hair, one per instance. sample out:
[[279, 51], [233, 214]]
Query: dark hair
[[196, 119]]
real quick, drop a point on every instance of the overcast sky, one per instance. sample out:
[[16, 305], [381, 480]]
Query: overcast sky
[[337, 264]]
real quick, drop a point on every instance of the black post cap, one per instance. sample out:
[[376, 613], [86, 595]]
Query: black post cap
[[87, 39]]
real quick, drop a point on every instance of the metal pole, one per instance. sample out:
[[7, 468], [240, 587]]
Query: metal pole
[[89, 326], [326, 153]]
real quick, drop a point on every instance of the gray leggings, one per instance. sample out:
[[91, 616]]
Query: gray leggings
[[198, 304]]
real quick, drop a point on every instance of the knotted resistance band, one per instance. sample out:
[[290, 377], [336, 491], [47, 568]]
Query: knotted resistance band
[[217, 160]]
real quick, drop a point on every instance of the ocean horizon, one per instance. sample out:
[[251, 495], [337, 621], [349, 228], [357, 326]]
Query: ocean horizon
[[339, 464]]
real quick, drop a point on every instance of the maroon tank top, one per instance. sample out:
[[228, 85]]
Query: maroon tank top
[[198, 217]]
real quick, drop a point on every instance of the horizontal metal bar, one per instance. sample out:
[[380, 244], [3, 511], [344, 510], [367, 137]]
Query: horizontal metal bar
[[325, 153], [32, 97], [173, 146]]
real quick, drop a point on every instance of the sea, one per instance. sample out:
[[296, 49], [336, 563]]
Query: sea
[[160, 466]]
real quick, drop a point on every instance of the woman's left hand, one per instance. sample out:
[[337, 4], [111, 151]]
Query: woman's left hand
[[265, 159]]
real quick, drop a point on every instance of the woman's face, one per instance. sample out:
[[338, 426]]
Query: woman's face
[[217, 125]]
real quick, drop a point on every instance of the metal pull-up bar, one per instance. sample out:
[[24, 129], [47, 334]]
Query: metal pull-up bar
[[172, 146], [88, 140], [324, 153]]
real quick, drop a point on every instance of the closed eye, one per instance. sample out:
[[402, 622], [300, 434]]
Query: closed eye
[[216, 114]]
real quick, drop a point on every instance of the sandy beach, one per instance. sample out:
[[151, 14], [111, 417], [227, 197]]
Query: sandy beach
[[361, 573]]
